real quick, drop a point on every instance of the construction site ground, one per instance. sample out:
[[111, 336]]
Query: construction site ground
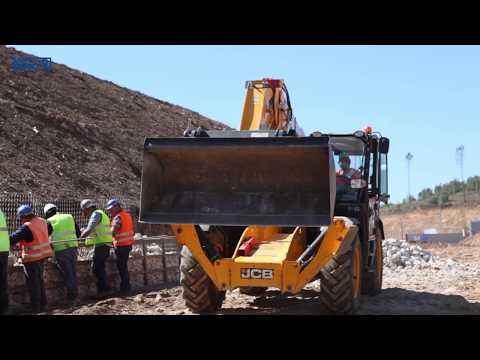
[[408, 292]]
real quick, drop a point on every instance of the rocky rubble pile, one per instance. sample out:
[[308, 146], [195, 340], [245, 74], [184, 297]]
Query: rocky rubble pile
[[399, 254]]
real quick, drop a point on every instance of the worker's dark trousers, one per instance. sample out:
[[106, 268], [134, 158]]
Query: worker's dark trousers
[[100, 256], [36, 287], [3, 282], [122, 253], [66, 262]]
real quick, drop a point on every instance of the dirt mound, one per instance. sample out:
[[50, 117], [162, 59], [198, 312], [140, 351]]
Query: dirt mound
[[65, 133]]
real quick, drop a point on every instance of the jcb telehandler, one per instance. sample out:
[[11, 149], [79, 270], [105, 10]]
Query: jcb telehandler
[[260, 207]]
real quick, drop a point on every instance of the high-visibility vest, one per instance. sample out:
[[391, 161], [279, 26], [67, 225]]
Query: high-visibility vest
[[124, 235], [102, 234], [40, 247], [344, 177], [63, 229], [4, 240]]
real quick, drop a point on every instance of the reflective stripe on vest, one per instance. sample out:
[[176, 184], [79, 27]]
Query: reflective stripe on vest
[[68, 233], [36, 247], [63, 226], [37, 251], [125, 235], [39, 248], [103, 232], [4, 240], [124, 238]]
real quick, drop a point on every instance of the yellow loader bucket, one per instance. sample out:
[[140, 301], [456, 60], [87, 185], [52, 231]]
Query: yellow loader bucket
[[283, 181]]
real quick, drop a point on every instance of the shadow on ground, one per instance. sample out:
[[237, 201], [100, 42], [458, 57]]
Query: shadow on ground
[[397, 301], [392, 301], [273, 302]]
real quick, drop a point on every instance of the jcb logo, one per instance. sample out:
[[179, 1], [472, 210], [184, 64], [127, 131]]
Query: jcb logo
[[266, 274]]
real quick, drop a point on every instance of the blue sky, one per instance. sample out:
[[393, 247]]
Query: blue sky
[[424, 98]]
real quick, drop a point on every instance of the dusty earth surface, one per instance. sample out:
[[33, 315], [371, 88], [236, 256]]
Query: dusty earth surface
[[60, 130], [451, 290]]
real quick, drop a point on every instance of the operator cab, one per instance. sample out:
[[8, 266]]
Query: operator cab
[[349, 157]]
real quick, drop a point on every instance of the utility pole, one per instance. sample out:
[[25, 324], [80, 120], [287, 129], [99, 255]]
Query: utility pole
[[409, 158], [459, 153]]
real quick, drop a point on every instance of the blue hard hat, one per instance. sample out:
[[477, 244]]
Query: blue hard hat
[[111, 203], [24, 210]]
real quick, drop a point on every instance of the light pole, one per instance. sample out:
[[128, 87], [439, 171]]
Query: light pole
[[459, 152], [409, 158]]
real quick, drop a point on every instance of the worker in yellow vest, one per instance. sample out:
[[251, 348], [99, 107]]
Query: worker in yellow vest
[[4, 250], [64, 231], [99, 233]]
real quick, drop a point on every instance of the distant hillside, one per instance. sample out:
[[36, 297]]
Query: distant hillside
[[452, 219], [66, 133], [442, 196]]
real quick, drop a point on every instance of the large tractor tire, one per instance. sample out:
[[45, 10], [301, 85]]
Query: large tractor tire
[[372, 281], [200, 293], [252, 290], [340, 281]]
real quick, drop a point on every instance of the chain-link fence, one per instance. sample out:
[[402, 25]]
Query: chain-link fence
[[9, 202]]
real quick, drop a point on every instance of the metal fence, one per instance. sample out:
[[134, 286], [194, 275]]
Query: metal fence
[[9, 202]]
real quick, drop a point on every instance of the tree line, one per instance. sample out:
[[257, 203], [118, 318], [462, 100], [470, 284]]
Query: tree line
[[442, 193]]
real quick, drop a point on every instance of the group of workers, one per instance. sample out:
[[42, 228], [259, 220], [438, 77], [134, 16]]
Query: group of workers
[[56, 236]]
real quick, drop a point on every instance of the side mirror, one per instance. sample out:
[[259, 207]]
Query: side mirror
[[384, 198], [384, 145]]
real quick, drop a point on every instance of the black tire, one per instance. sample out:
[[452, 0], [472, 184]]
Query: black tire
[[252, 291], [339, 289], [199, 292], [372, 281]]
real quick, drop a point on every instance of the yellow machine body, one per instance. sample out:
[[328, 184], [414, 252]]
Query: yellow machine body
[[274, 261]]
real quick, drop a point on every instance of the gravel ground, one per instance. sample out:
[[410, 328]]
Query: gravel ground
[[437, 281]]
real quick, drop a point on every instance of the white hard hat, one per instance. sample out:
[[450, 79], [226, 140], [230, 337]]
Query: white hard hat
[[86, 203], [49, 207]]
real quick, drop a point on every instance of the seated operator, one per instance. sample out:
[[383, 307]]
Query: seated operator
[[345, 174]]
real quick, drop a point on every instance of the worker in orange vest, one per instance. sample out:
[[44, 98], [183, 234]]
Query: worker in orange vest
[[35, 249], [122, 231]]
